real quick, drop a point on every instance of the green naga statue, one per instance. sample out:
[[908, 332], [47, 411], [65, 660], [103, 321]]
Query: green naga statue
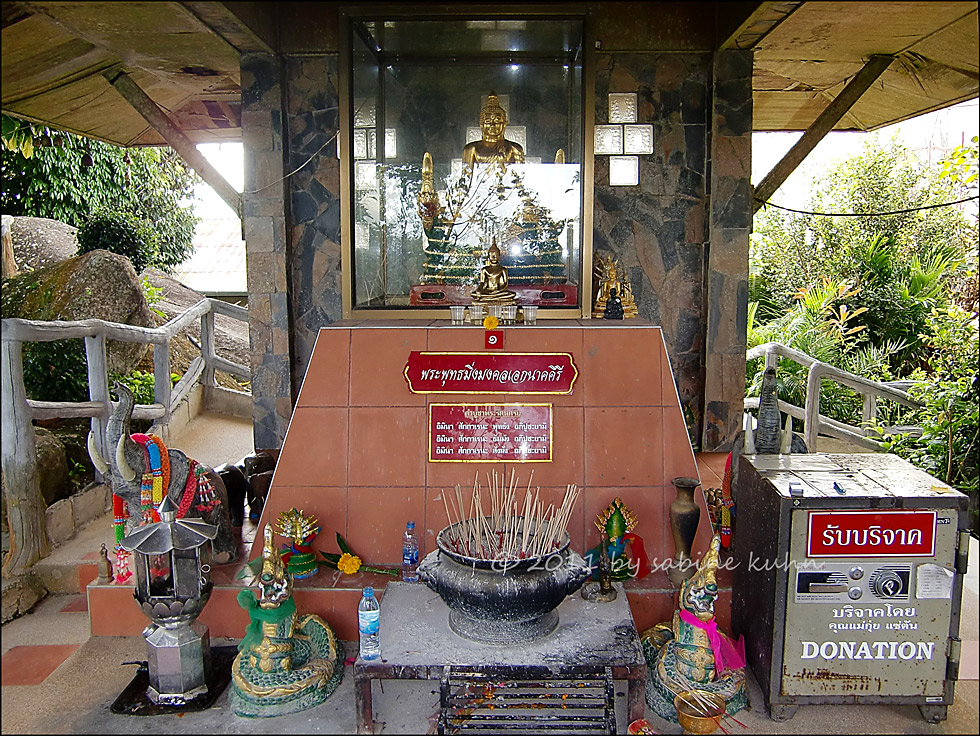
[[286, 662], [690, 652]]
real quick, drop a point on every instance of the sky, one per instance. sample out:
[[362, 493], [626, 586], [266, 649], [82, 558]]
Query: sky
[[929, 135]]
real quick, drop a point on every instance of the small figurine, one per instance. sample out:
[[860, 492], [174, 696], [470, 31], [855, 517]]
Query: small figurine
[[609, 273], [300, 558], [493, 147], [614, 306], [286, 662], [492, 286], [616, 523]]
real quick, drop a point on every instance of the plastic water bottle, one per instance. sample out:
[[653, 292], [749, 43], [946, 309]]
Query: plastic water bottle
[[410, 554], [369, 625]]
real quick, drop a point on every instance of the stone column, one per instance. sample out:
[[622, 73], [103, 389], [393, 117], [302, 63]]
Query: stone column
[[730, 222], [265, 248]]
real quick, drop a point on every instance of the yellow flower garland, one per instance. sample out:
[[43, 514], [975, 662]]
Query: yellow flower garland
[[490, 322]]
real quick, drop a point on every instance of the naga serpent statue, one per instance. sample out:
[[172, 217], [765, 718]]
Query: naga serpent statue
[[143, 467], [689, 652], [286, 662]]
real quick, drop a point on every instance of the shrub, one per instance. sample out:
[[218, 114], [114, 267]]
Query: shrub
[[119, 232]]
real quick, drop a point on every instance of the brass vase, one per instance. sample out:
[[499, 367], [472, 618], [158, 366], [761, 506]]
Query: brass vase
[[684, 517]]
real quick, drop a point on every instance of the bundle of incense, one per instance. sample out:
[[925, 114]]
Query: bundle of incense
[[512, 529]]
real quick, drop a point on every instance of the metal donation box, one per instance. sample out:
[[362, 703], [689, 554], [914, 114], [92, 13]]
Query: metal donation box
[[847, 580]]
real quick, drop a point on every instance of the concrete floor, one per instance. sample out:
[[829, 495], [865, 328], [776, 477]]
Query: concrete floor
[[83, 682]]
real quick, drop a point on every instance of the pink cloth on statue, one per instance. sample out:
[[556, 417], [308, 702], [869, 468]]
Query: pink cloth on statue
[[728, 656]]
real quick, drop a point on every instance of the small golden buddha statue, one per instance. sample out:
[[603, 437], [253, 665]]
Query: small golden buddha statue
[[492, 285], [493, 147]]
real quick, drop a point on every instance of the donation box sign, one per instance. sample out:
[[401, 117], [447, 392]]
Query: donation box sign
[[490, 433]]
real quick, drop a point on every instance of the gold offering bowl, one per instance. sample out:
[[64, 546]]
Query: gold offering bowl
[[699, 711]]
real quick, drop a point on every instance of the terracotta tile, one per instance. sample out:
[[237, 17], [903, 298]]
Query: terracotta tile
[[567, 451], [668, 381], [678, 454], [447, 475], [223, 616], [314, 452], [623, 366], [649, 609], [31, 665], [88, 573], [328, 504], [528, 340], [711, 466], [387, 446], [114, 612], [343, 617], [380, 355], [376, 522], [646, 502], [77, 603], [623, 446], [326, 381], [458, 339]]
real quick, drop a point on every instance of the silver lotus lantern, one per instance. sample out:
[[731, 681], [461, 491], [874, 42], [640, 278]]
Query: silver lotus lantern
[[172, 561]]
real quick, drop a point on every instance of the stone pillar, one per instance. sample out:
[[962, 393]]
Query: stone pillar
[[264, 224], [730, 222]]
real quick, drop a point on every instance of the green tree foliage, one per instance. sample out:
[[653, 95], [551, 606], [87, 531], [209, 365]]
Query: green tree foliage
[[900, 264], [65, 177], [884, 296]]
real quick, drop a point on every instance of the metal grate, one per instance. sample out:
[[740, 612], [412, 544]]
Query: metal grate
[[526, 700]]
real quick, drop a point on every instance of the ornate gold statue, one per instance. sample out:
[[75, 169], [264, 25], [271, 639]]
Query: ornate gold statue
[[608, 272], [690, 652], [492, 285], [493, 147]]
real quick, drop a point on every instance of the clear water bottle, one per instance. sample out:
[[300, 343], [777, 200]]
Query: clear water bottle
[[410, 554], [369, 625]]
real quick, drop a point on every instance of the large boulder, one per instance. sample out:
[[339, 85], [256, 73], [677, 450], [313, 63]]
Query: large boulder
[[40, 242], [96, 285], [52, 466]]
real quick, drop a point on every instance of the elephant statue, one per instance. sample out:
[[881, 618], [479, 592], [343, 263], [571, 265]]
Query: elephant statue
[[140, 460]]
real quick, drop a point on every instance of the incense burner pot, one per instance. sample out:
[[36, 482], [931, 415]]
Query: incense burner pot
[[503, 602]]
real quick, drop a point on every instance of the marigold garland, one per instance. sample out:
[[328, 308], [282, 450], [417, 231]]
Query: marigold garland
[[349, 564], [490, 322]]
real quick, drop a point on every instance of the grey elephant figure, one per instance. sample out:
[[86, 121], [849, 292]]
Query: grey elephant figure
[[195, 489]]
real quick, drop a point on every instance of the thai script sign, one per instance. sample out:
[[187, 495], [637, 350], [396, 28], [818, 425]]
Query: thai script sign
[[871, 534], [490, 373], [490, 433]]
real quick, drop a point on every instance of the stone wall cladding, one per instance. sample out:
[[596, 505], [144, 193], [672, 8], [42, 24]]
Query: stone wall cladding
[[312, 103], [266, 248], [656, 230], [730, 221]]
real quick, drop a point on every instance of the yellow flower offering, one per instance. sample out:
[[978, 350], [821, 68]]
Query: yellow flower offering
[[348, 563], [490, 322]]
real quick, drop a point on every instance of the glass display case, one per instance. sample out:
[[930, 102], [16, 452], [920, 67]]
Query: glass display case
[[463, 133]]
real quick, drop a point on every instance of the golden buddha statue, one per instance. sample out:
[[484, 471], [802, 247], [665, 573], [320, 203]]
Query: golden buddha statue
[[493, 147], [492, 285]]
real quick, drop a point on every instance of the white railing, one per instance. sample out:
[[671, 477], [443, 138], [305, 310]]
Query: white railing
[[18, 412], [815, 423]]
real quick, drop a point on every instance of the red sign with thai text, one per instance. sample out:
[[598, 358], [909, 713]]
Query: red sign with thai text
[[490, 373], [871, 534], [490, 433]]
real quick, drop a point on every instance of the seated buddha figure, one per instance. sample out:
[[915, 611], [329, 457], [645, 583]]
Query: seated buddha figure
[[286, 662], [690, 652], [491, 287], [493, 147]]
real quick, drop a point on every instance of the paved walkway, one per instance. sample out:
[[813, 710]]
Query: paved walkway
[[59, 679]]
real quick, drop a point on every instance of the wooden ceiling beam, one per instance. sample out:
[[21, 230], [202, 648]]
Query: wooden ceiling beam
[[174, 137], [824, 123]]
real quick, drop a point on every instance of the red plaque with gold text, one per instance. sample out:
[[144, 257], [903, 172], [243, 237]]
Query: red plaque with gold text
[[487, 433], [490, 373]]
